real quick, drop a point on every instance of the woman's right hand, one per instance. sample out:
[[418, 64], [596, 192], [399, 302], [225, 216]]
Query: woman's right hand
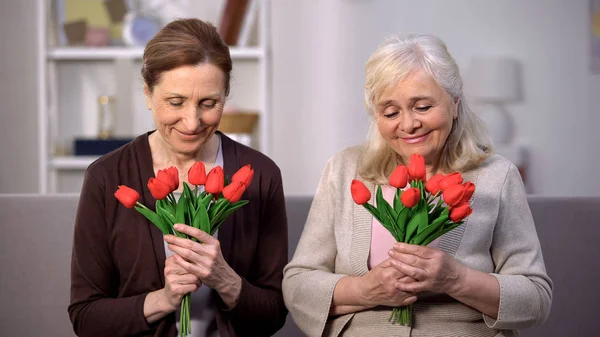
[[178, 282], [377, 286]]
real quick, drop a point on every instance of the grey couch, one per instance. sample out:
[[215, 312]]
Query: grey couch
[[35, 249]]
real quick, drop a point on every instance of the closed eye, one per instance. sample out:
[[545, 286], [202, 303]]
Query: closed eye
[[208, 103], [423, 108], [391, 115]]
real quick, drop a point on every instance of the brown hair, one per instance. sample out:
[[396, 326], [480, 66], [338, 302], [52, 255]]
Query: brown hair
[[185, 42]]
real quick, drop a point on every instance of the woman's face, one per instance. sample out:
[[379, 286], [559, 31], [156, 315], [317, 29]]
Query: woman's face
[[187, 104], [415, 116]]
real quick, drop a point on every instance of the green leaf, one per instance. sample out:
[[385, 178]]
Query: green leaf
[[205, 201], [373, 211], [216, 208], [401, 222], [168, 219], [440, 233], [201, 220], [411, 228], [398, 205], [386, 213], [181, 210], [227, 211], [154, 218], [437, 210], [187, 192], [434, 227], [423, 215]]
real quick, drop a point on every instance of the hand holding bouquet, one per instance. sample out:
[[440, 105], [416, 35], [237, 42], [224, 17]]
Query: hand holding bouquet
[[418, 215], [206, 210]]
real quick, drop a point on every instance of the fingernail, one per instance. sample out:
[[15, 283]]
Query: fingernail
[[177, 226], [391, 252]]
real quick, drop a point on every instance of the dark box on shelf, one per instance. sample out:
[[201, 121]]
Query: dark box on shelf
[[97, 147]]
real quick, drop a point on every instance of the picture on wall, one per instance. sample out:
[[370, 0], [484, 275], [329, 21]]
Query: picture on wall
[[595, 36]]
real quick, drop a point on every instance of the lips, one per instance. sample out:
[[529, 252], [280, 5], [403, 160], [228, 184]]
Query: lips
[[415, 139], [186, 135]]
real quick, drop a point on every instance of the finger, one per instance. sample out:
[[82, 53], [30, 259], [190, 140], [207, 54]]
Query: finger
[[409, 259], [194, 232], [184, 253], [182, 242], [184, 289], [410, 287], [193, 268], [422, 251], [409, 300], [410, 271], [182, 279]]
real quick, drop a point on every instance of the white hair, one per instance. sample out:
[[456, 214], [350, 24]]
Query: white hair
[[468, 142]]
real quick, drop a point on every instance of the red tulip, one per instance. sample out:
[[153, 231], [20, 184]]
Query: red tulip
[[233, 192], [453, 195], [399, 177], [170, 177], [416, 167], [244, 175], [460, 211], [127, 196], [215, 181], [433, 184], [451, 180], [360, 192], [410, 198], [159, 188], [174, 174], [469, 190], [197, 174]]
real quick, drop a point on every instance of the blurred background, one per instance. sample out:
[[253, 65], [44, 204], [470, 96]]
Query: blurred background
[[71, 89]]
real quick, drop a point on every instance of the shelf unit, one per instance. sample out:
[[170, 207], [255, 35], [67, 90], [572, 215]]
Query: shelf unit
[[53, 163], [108, 53]]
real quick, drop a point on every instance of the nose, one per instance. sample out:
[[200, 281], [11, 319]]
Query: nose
[[191, 118], [408, 122]]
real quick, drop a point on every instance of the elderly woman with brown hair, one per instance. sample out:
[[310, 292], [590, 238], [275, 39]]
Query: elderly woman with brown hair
[[126, 279], [485, 278]]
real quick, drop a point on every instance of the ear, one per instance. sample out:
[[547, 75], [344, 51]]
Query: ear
[[148, 95], [455, 112]]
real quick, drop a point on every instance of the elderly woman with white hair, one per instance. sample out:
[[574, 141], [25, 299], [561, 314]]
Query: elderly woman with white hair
[[485, 278]]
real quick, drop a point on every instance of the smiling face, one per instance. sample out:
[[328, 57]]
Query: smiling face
[[187, 104], [415, 117]]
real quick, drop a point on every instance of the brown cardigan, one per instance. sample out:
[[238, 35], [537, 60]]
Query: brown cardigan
[[118, 256]]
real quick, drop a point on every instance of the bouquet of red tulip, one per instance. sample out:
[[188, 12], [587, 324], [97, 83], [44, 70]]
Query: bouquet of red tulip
[[206, 211], [418, 214]]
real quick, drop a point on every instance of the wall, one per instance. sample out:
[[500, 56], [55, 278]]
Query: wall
[[18, 97], [321, 48]]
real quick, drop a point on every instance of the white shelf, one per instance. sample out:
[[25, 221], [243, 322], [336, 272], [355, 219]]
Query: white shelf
[[71, 162], [108, 53]]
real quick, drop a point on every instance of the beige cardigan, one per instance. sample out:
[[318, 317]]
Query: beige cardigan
[[499, 238]]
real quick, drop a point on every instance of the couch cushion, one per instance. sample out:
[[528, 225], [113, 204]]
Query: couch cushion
[[569, 232], [35, 255]]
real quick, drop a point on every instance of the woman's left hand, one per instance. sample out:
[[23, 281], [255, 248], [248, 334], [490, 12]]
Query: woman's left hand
[[206, 261], [431, 269]]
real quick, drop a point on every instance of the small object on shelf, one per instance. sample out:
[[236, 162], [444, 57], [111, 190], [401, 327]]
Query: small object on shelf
[[116, 10], [98, 147], [140, 26], [238, 122], [75, 32], [97, 36], [106, 117], [231, 21]]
